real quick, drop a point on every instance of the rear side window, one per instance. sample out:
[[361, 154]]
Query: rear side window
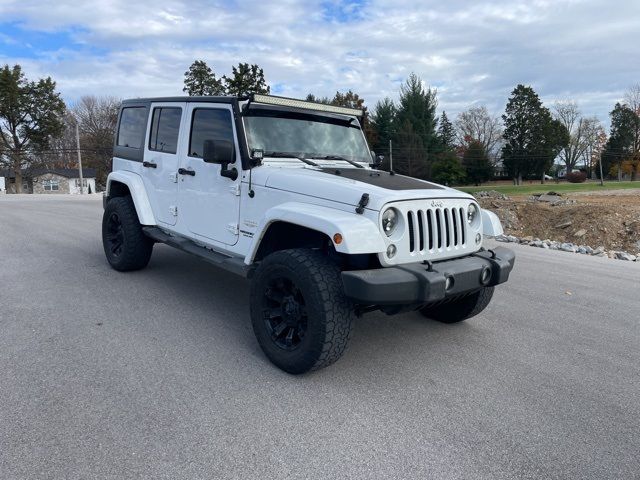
[[209, 124], [165, 127], [133, 123]]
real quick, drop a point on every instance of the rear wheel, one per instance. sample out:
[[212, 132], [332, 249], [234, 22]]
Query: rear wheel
[[460, 309], [125, 245], [299, 313]]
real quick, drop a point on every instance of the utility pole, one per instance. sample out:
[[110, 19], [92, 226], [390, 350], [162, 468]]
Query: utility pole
[[390, 156], [79, 158], [601, 177]]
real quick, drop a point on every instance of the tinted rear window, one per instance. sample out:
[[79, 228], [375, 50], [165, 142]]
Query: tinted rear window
[[209, 124], [133, 123], [165, 127]]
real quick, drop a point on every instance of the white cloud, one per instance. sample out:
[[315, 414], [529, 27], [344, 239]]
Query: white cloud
[[474, 52]]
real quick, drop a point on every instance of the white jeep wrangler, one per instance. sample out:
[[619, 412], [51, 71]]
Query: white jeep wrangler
[[283, 192]]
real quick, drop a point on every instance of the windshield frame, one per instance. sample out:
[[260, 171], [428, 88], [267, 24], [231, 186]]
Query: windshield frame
[[347, 121]]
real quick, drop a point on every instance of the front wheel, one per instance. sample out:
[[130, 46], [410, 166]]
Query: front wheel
[[459, 309], [125, 244], [299, 312]]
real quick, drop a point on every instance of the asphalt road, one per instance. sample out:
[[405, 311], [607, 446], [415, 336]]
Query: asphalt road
[[156, 374]]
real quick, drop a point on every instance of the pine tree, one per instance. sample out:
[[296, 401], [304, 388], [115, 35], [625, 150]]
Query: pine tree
[[246, 79], [382, 123], [446, 132], [532, 137], [200, 80], [415, 139], [622, 144]]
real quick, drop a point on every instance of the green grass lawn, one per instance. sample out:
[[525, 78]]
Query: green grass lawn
[[530, 189]]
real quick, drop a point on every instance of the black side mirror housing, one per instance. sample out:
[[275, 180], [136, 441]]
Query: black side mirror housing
[[218, 151], [376, 160], [222, 152]]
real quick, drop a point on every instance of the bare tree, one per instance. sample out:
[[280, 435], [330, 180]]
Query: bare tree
[[97, 117], [632, 98], [568, 113], [477, 124], [584, 134], [596, 139], [62, 152]]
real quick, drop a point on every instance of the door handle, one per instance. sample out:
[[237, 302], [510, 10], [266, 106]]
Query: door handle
[[184, 171], [149, 164]]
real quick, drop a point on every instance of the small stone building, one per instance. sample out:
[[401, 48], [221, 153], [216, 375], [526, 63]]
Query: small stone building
[[53, 180]]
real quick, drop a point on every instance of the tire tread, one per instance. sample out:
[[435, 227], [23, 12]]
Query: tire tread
[[461, 309], [138, 247], [338, 311]]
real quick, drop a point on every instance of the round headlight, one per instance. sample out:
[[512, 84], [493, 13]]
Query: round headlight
[[389, 221], [472, 213]]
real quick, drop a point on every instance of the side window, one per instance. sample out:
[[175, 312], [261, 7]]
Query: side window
[[165, 126], [133, 123], [209, 124]]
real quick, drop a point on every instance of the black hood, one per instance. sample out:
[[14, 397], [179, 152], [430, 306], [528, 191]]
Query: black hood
[[382, 179]]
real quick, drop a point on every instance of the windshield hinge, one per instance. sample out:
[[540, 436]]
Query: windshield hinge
[[233, 228], [235, 189]]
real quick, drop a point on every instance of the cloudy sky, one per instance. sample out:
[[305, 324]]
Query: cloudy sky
[[473, 52]]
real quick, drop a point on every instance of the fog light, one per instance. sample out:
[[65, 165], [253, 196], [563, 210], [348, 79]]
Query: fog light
[[448, 283], [391, 251], [478, 238], [485, 276]]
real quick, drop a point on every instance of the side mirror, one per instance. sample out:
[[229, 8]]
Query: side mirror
[[219, 151], [376, 160]]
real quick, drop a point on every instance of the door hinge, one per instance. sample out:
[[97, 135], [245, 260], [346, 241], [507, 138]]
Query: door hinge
[[235, 189], [173, 210], [233, 228], [173, 177]]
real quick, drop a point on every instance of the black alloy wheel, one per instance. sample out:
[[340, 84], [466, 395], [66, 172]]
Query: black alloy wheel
[[114, 234], [285, 313]]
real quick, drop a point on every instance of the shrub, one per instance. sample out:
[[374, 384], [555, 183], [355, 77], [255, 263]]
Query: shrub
[[447, 170], [576, 177]]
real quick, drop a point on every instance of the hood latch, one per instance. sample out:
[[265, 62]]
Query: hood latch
[[364, 201]]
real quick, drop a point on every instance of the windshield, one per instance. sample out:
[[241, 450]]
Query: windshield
[[305, 135]]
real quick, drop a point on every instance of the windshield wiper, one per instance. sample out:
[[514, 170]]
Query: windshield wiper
[[338, 157], [290, 155]]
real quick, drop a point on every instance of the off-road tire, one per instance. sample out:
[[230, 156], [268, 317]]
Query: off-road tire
[[329, 314], [460, 309], [135, 249]]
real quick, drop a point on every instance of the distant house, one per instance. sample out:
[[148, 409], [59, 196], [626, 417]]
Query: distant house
[[52, 180]]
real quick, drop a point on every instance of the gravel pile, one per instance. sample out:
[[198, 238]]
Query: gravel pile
[[553, 198], [490, 194], [569, 247]]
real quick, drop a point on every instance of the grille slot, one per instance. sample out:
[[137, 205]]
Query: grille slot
[[412, 244], [436, 229]]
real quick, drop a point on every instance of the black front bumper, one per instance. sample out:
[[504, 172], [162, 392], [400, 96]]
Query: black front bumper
[[420, 283]]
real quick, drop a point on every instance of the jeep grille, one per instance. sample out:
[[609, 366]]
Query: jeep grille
[[433, 230], [436, 228]]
